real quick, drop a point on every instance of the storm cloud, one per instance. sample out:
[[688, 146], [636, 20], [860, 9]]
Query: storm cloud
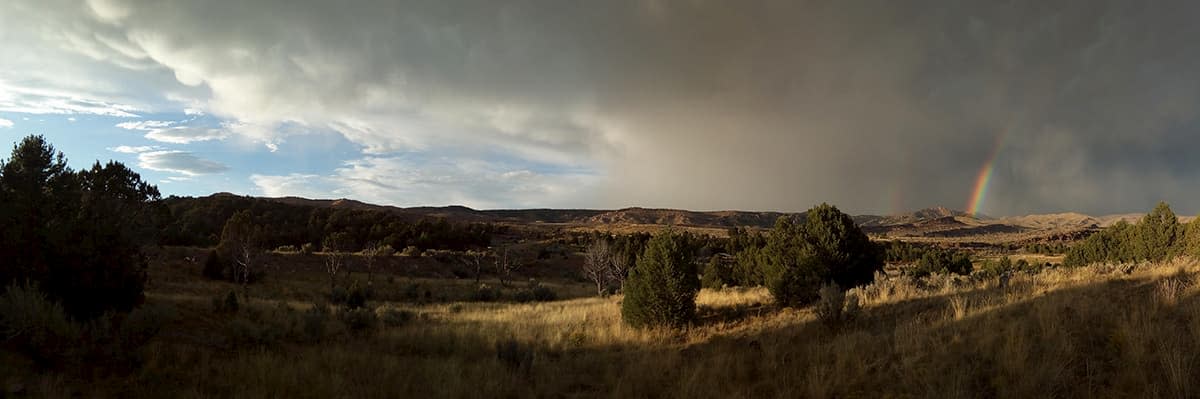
[[875, 106]]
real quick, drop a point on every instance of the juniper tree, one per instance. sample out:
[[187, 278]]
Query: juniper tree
[[826, 246], [661, 288]]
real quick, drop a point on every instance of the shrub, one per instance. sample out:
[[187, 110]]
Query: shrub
[[394, 317], [827, 245], [359, 320], [661, 288], [485, 293], [41, 329], [1156, 237], [747, 269], [411, 292], [308, 248], [716, 274], [338, 295], [38, 326], [227, 304], [214, 267], [357, 297], [534, 292], [834, 307], [313, 322], [944, 262], [543, 293]]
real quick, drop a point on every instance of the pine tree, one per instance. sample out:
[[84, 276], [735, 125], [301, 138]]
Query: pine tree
[[1158, 231], [716, 274], [661, 288]]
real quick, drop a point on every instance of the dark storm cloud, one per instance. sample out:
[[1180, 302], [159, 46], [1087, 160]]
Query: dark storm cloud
[[872, 105]]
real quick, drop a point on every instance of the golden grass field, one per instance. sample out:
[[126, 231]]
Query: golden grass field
[[1089, 332]]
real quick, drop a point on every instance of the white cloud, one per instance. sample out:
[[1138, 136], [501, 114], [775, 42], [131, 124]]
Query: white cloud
[[15, 98], [409, 182], [144, 125], [124, 149], [181, 162], [5, 123], [169, 132], [185, 135]]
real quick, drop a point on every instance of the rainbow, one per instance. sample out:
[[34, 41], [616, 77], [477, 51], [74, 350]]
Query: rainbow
[[983, 180]]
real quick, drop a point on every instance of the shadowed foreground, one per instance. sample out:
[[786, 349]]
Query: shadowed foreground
[[1094, 331]]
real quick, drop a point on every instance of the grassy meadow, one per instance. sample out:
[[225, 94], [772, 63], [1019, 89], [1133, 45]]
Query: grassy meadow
[[1102, 330]]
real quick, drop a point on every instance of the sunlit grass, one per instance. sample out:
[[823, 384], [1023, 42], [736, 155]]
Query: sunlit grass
[[1103, 330]]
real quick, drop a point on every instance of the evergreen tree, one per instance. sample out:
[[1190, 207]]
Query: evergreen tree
[[1158, 231], [661, 288], [77, 235], [716, 274], [803, 255]]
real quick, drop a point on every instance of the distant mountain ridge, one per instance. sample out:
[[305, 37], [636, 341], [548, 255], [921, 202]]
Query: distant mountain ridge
[[925, 221]]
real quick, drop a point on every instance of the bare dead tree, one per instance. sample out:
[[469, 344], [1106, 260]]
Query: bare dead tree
[[245, 257], [597, 264], [371, 253], [506, 265], [334, 247], [618, 268], [239, 239], [475, 259]]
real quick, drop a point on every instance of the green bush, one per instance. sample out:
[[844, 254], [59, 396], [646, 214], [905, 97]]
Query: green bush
[[37, 326], [534, 292], [834, 308], [41, 329], [716, 274], [827, 246], [661, 288], [484, 293], [748, 269], [1156, 237], [939, 261]]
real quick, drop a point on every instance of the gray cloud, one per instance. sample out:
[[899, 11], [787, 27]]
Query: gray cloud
[[875, 106], [181, 162]]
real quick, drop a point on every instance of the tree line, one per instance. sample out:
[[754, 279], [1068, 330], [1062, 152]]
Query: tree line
[[795, 260], [200, 222], [1156, 237]]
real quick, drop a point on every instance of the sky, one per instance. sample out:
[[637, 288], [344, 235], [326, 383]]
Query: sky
[[999, 107]]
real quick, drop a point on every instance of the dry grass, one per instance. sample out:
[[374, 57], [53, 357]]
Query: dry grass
[[1087, 332]]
